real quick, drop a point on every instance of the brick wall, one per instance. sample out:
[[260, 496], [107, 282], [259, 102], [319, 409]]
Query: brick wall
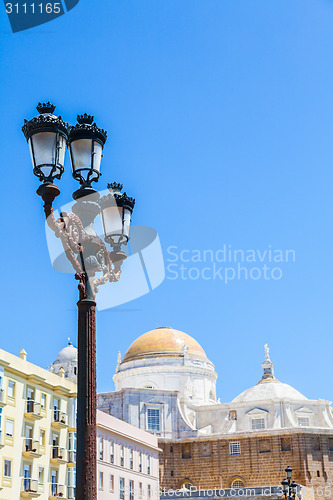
[[208, 463]]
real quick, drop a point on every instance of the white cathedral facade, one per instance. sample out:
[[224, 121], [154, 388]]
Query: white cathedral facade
[[165, 384]]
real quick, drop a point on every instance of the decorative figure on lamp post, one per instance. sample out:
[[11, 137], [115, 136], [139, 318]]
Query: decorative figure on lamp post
[[48, 136]]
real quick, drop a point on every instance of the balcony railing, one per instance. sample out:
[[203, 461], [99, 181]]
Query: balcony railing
[[58, 454], [29, 488], [57, 490], [72, 456], [31, 447], [33, 409], [60, 418]]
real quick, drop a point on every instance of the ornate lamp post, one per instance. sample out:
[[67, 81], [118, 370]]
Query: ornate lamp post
[[47, 136], [289, 488]]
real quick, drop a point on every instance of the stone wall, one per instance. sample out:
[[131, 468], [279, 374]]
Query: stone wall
[[207, 462]]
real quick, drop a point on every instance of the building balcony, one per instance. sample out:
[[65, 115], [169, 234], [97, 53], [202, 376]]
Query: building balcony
[[29, 488], [33, 410], [57, 491], [71, 493], [31, 448], [71, 458], [59, 419], [2, 397], [58, 455]]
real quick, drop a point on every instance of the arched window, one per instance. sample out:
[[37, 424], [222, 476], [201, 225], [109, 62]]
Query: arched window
[[237, 483], [186, 484], [211, 395]]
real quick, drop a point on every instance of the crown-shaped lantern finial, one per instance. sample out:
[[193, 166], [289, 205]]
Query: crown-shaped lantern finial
[[45, 107], [85, 119], [115, 186]]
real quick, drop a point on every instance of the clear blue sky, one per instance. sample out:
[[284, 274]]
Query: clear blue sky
[[220, 121]]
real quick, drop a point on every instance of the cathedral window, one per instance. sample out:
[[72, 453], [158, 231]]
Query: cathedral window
[[212, 395], [234, 449], [315, 443], [233, 415], [153, 419], [187, 484], [285, 444], [237, 483], [205, 450], [258, 423], [330, 444], [303, 421], [186, 451], [264, 446]]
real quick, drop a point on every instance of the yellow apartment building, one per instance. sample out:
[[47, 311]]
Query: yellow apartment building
[[37, 431]]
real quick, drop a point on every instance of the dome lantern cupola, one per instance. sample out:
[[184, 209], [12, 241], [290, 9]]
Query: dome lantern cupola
[[267, 366], [67, 360]]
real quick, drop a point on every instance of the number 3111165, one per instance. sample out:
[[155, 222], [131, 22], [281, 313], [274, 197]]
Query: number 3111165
[[32, 8]]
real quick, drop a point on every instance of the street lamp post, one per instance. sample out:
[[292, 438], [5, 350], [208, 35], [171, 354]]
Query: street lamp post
[[289, 488], [47, 136]]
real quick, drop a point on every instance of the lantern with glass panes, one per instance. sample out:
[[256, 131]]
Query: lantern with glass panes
[[116, 211], [85, 144], [93, 263], [289, 488], [47, 136]]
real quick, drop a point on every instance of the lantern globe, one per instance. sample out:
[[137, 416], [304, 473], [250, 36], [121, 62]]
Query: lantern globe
[[288, 472], [46, 135], [85, 143], [116, 210], [285, 486], [293, 487]]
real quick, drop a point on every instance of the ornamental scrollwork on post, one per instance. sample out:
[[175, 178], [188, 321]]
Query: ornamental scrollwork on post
[[86, 252]]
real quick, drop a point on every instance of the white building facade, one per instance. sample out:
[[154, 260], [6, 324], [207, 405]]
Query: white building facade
[[165, 384], [128, 461]]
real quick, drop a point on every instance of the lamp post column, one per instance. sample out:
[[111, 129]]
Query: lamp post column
[[86, 462], [47, 136]]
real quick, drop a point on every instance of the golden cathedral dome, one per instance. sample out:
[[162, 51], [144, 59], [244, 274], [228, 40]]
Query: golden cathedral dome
[[164, 341]]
